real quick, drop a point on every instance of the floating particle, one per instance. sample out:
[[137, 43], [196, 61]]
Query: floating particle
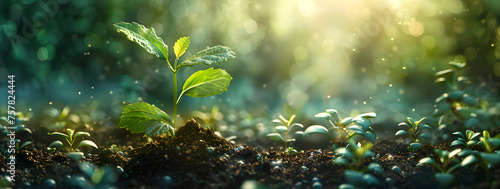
[[79, 93], [50, 103], [404, 67], [92, 87], [110, 92], [29, 109], [328, 96], [390, 85], [392, 38]]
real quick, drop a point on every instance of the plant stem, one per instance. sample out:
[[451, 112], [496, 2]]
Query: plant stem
[[175, 98]]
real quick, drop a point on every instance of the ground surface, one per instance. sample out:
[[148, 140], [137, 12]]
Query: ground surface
[[198, 158]]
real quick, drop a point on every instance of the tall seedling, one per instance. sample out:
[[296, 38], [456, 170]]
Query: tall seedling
[[143, 117]]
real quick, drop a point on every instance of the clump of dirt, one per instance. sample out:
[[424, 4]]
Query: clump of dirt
[[193, 158]]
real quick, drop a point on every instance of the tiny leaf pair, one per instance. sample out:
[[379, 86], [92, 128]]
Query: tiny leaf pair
[[414, 131], [71, 141], [284, 128]]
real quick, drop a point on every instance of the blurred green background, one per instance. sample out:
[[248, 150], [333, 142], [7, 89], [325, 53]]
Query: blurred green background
[[293, 56]]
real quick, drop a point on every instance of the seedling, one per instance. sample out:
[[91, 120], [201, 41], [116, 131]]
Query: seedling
[[345, 129], [143, 117], [447, 164], [18, 127], [456, 101], [284, 129], [55, 119], [466, 140], [490, 157], [414, 130], [352, 157], [71, 142]]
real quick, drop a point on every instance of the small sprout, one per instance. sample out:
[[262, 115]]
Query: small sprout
[[466, 140], [456, 101], [72, 141], [414, 130], [285, 128], [447, 164], [352, 157], [345, 129], [486, 159], [145, 118], [114, 148]]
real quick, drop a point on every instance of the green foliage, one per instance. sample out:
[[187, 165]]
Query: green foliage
[[352, 157], [285, 128], [414, 131], [345, 129], [456, 100], [71, 141], [447, 164], [18, 127], [142, 117], [466, 140], [201, 84], [490, 157]]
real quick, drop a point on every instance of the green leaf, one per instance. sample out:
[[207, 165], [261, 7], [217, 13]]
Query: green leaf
[[459, 134], [281, 129], [78, 134], [493, 158], [317, 129], [403, 124], [210, 56], [470, 101], [456, 95], [457, 142], [444, 96], [65, 136], [444, 179], [441, 109], [295, 125], [25, 144], [87, 143], [370, 179], [205, 83], [375, 167], [440, 81], [346, 121], [468, 160], [57, 144], [457, 65], [353, 176], [425, 136], [153, 128], [334, 113], [275, 137], [323, 115], [470, 122], [365, 123], [401, 132], [448, 73], [181, 46], [426, 160], [145, 37], [368, 115], [416, 146], [134, 116]]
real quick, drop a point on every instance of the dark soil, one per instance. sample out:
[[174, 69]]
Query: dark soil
[[198, 158]]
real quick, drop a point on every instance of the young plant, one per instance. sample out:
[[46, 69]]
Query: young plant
[[71, 142], [466, 140], [447, 164], [6, 128], [284, 129], [352, 158], [55, 119], [414, 130], [143, 117], [490, 157], [345, 129], [456, 101]]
